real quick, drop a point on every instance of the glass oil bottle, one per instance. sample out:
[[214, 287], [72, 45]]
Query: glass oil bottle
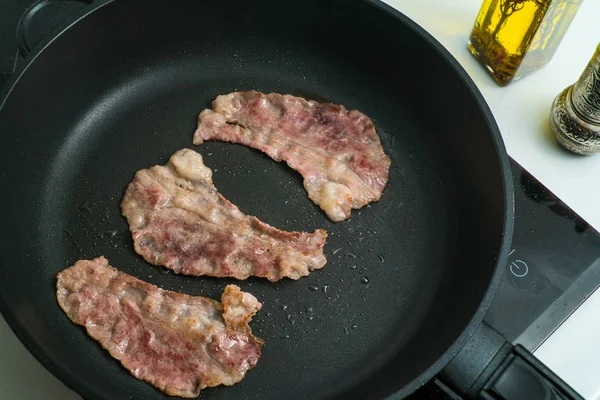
[[512, 38]]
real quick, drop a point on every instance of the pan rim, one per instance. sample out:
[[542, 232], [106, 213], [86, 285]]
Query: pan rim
[[509, 204], [75, 383]]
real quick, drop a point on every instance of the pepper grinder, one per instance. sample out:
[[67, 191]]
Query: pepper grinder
[[575, 114]]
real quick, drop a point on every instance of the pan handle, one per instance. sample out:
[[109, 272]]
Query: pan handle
[[23, 42], [491, 368]]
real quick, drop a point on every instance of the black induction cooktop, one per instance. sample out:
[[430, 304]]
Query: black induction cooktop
[[555, 260]]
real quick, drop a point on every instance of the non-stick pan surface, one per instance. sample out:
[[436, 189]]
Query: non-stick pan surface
[[120, 91]]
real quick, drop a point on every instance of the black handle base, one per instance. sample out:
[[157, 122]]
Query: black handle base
[[23, 27], [491, 368], [522, 376]]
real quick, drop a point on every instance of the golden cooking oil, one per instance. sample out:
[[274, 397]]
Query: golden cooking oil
[[512, 38]]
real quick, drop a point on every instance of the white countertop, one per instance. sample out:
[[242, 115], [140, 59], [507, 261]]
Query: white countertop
[[521, 111]]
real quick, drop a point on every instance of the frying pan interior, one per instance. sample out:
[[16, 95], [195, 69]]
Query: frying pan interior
[[121, 90]]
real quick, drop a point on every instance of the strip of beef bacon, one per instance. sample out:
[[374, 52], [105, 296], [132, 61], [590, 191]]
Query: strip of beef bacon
[[337, 151], [179, 220], [180, 344]]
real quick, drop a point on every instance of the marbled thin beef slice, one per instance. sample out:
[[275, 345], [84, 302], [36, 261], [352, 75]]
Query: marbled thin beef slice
[[179, 220], [337, 151], [181, 344]]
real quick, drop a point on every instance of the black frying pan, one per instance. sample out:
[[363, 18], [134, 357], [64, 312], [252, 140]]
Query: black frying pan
[[409, 278]]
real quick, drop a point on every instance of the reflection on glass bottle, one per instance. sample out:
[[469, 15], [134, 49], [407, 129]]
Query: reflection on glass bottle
[[512, 38]]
